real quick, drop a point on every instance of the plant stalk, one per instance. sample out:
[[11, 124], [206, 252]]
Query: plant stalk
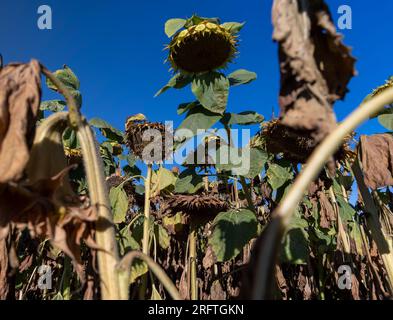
[[125, 266], [193, 263]]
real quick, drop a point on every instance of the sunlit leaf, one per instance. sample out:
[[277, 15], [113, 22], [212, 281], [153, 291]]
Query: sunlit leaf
[[232, 230]]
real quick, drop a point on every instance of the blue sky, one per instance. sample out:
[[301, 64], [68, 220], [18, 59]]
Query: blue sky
[[116, 49]]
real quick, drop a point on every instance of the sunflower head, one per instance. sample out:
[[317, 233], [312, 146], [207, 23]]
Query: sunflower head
[[277, 138], [147, 140], [203, 47]]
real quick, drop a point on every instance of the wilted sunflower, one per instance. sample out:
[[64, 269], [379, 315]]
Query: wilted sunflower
[[195, 208], [149, 148], [203, 47], [277, 138]]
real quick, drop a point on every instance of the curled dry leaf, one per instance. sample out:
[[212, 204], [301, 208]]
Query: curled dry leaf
[[20, 96], [315, 66], [377, 160]]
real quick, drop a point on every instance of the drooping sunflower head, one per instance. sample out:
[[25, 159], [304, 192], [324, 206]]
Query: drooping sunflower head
[[203, 47], [147, 140], [277, 138]]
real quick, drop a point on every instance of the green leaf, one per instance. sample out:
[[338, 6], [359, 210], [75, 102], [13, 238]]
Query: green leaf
[[174, 25], [67, 77], [233, 27], [178, 81], [277, 175], [247, 162], [184, 107], [126, 242], [162, 236], [212, 90], [107, 130], [386, 120], [53, 105], [241, 76], [242, 118], [188, 182], [232, 230], [162, 179], [295, 247], [70, 139], [119, 204], [347, 212], [197, 118], [196, 20]]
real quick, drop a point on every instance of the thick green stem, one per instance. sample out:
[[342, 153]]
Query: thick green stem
[[193, 264], [146, 221], [108, 257]]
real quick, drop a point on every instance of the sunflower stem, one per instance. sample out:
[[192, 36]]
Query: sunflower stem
[[192, 263], [108, 257], [146, 228]]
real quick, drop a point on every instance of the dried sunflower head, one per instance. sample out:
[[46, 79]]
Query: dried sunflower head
[[195, 208], [203, 47], [277, 138], [148, 141]]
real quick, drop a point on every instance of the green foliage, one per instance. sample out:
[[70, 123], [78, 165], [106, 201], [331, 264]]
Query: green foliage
[[174, 25], [295, 248], [233, 27], [107, 130], [178, 81], [198, 118], [232, 230], [119, 203], [188, 182], [241, 76], [212, 90], [242, 118], [278, 175]]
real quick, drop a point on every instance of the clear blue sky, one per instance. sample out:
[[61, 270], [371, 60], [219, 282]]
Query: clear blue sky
[[116, 49]]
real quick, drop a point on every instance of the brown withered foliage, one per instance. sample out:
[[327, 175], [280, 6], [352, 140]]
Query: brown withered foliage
[[48, 213], [4, 284], [377, 160], [20, 96], [315, 66]]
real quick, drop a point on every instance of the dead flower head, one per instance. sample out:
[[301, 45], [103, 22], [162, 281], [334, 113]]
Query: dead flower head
[[147, 140]]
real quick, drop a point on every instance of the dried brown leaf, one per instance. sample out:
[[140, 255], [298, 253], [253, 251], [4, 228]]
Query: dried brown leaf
[[315, 66], [20, 96], [377, 160]]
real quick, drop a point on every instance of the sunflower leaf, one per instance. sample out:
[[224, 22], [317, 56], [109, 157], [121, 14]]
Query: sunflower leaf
[[197, 118], [242, 118], [241, 76], [174, 25], [212, 90], [119, 204], [233, 27], [178, 81], [232, 230]]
